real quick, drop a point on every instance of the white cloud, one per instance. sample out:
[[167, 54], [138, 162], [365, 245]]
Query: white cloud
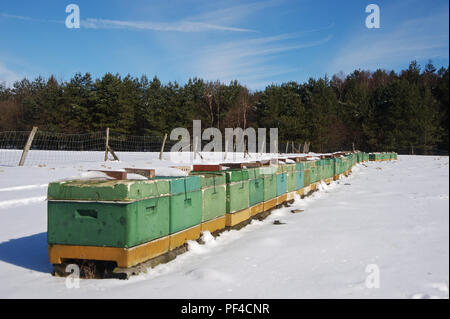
[[250, 61], [233, 14], [421, 38], [179, 26], [184, 25], [24, 18]]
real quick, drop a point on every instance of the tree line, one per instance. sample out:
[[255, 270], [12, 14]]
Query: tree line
[[404, 111]]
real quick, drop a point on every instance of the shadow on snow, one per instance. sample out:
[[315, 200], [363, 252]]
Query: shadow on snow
[[28, 252]]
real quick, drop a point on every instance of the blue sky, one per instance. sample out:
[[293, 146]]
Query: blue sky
[[255, 42]]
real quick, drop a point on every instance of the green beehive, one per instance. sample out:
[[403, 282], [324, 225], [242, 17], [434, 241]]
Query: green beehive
[[281, 183], [238, 190], [256, 186], [307, 177], [270, 182], [326, 169], [332, 167], [214, 194], [318, 170], [106, 190], [185, 202], [110, 213], [256, 191], [291, 181], [323, 169], [291, 176], [300, 179], [338, 165], [344, 163], [336, 162], [314, 177]]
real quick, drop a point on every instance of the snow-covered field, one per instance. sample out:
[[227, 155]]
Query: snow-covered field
[[390, 218]]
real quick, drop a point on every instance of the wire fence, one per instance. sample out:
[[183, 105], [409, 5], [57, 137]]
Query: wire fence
[[57, 148]]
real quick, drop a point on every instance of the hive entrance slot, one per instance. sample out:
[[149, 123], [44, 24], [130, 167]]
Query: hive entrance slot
[[87, 213]]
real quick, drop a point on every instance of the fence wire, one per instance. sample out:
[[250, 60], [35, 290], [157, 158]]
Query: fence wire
[[57, 148]]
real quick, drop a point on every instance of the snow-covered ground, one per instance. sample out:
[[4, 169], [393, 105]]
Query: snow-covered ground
[[389, 218]]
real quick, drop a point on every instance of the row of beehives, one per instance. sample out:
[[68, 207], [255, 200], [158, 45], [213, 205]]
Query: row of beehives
[[131, 221]]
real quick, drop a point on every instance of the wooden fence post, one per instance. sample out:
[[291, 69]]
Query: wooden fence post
[[162, 147], [107, 144], [27, 146], [108, 148]]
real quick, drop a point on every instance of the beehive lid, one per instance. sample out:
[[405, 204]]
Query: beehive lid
[[209, 179], [107, 190], [183, 184]]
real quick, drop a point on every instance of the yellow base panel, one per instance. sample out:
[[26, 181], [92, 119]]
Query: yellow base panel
[[256, 209], [237, 217], [337, 176], [271, 203], [281, 199], [313, 187], [306, 189], [329, 180], [178, 239], [291, 195], [125, 257], [301, 191], [213, 225]]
